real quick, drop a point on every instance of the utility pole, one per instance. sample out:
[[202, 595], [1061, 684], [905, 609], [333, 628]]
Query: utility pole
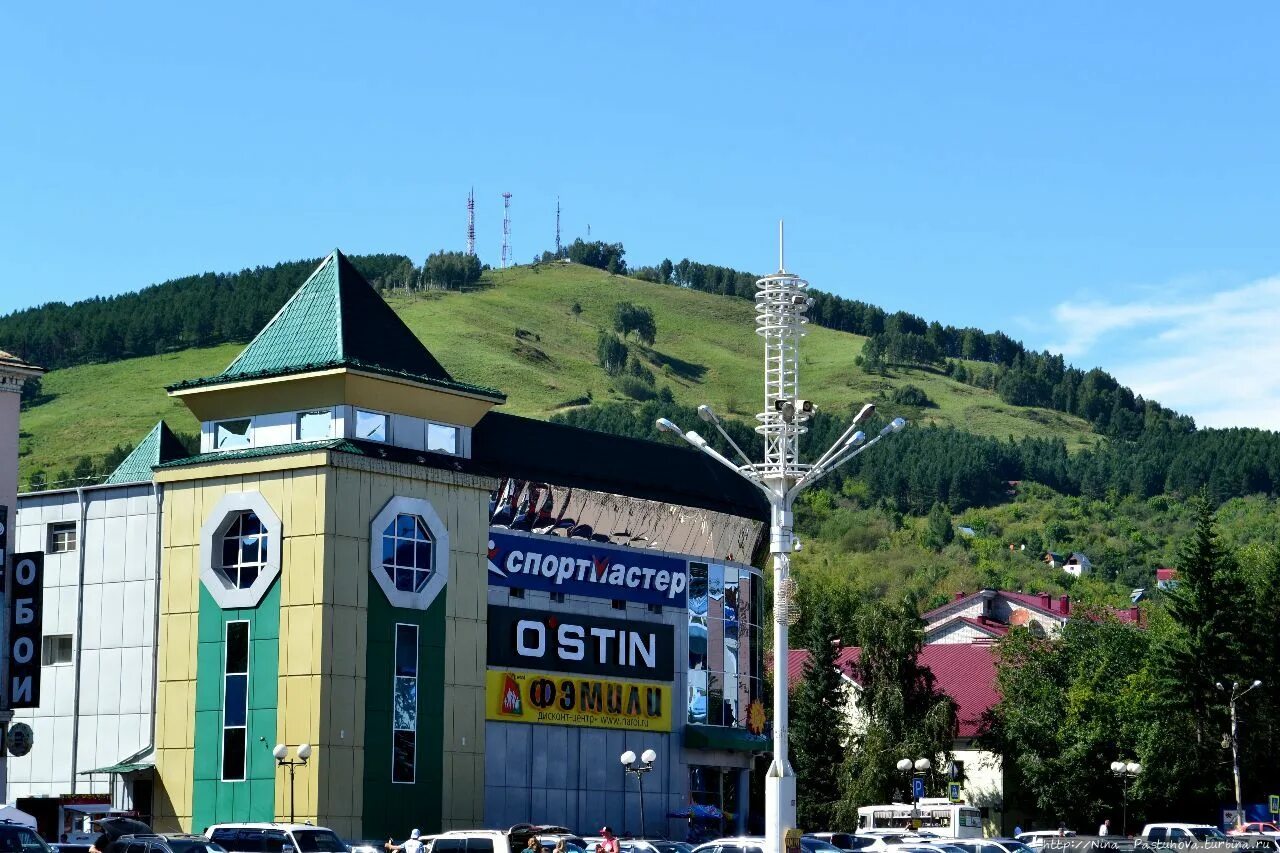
[[781, 302], [1236, 695]]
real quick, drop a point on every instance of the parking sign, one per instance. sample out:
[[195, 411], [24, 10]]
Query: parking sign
[[917, 787], [1275, 803]]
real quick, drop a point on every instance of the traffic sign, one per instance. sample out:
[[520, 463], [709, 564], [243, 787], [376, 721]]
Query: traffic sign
[[917, 787], [953, 792], [1275, 803], [18, 739]]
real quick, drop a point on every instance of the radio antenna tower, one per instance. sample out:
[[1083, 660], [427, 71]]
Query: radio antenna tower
[[506, 229], [471, 222], [557, 226], [782, 300]]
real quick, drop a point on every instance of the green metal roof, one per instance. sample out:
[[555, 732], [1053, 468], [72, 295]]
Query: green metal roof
[[118, 768], [159, 446], [256, 452], [337, 319]]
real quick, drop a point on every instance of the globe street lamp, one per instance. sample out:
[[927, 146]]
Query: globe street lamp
[[1126, 770], [913, 770], [630, 766], [281, 753], [1236, 695], [782, 299]]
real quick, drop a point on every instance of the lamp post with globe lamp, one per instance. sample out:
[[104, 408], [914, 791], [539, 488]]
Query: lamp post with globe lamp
[[782, 300], [630, 766], [1236, 695], [913, 770], [281, 753], [1126, 770]]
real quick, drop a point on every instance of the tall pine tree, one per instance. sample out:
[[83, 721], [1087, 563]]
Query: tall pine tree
[[818, 727]]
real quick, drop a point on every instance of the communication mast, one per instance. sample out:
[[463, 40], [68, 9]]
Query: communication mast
[[471, 222], [557, 226], [506, 229]]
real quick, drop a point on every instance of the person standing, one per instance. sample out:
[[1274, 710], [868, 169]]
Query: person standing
[[1105, 829], [610, 842], [412, 845]]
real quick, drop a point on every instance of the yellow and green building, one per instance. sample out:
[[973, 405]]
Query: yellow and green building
[[329, 565]]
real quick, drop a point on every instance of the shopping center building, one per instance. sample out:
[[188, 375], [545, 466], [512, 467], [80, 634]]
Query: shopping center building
[[468, 615]]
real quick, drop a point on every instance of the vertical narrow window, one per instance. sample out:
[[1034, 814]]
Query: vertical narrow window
[[404, 703], [235, 702]]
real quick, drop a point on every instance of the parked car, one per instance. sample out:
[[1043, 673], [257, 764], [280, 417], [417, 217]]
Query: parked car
[[1180, 834], [274, 837], [811, 844], [19, 836], [70, 848], [1259, 842], [915, 847], [878, 841], [644, 845], [367, 846], [740, 844], [1255, 828], [1036, 837], [513, 840], [166, 843], [990, 845]]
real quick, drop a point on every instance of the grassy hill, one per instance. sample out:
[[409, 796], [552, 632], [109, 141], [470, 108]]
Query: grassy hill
[[523, 336]]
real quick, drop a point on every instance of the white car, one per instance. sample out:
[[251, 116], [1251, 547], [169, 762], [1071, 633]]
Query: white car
[[740, 844], [1181, 834], [274, 838]]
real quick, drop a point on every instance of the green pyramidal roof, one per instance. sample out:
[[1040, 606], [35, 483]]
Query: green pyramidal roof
[[160, 446], [337, 319]]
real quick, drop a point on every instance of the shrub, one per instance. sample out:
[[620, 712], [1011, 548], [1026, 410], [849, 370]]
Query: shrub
[[636, 389]]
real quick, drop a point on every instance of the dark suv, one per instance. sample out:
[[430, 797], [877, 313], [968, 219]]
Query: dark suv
[[163, 844], [20, 838]]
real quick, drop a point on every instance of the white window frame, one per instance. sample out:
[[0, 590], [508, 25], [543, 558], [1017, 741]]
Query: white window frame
[[45, 645], [439, 578], [220, 519], [56, 528], [213, 434], [297, 423], [248, 665], [356, 411], [395, 680]]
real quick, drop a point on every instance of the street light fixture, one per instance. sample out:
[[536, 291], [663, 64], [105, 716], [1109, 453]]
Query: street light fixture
[[1126, 770], [281, 753], [1236, 695], [911, 770], [629, 765], [781, 303]]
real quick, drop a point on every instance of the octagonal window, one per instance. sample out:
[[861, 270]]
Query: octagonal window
[[240, 544], [245, 546], [407, 553]]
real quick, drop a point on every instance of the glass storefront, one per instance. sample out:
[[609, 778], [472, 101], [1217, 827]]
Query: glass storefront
[[726, 645]]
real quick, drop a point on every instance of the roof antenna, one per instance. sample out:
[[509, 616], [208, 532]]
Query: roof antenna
[[782, 267]]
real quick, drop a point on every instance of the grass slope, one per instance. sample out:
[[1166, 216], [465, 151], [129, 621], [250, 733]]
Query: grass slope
[[522, 336]]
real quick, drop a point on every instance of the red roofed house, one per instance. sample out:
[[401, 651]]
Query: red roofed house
[[987, 615], [966, 672]]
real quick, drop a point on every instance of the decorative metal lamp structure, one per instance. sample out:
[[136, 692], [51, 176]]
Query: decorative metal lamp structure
[[782, 301]]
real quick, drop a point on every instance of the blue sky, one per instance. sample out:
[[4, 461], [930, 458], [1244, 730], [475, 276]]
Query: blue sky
[[1098, 178]]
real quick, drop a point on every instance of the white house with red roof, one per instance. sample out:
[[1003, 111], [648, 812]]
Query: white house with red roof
[[966, 672], [987, 615]]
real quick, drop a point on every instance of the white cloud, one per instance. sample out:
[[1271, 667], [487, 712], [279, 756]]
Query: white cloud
[[1211, 355]]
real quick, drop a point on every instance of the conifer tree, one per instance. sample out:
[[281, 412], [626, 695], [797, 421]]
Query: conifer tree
[[818, 727]]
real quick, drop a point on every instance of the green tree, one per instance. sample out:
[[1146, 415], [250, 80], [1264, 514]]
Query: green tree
[[628, 318], [903, 711], [31, 390], [938, 531], [611, 353], [818, 727]]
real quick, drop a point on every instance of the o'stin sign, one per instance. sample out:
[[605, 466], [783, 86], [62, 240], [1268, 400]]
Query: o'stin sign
[[26, 604], [575, 567]]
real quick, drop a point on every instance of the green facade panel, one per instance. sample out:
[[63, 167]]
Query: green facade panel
[[387, 803], [214, 801]]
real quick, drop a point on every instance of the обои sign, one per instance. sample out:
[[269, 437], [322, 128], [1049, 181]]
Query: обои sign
[[26, 596], [522, 697], [590, 645], [576, 567]]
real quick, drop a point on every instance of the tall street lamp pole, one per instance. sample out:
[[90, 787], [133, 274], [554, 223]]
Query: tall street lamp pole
[[281, 753], [630, 766], [1236, 695], [781, 302], [1126, 770]]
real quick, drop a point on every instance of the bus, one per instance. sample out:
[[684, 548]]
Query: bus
[[937, 815]]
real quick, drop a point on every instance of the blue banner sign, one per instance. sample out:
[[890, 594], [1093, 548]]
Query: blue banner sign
[[576, 567]]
